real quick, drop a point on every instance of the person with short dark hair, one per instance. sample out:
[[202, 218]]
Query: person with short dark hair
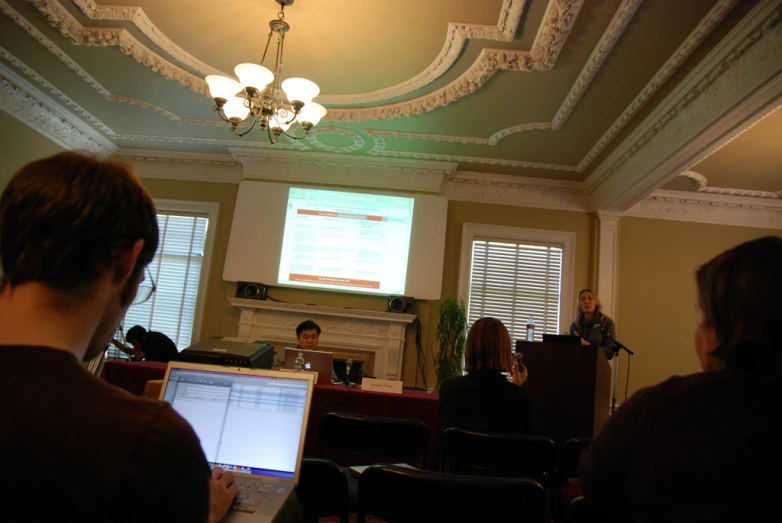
[[308, 335], [147, 345], [76, 234], [705, 447], [484, 400]]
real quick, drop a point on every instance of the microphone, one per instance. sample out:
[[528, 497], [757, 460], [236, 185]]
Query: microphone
[[348, 364], [613, 340]]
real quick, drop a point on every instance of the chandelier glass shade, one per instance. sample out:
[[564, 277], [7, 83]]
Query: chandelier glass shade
[[258, 95]]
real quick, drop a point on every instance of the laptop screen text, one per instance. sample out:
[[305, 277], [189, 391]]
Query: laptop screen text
[[246, 423]]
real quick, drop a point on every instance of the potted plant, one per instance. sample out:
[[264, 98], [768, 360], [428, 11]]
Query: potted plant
[[451, 335]]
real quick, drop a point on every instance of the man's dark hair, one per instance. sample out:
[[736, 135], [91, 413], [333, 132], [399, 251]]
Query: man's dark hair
[[307, 326], [64, 219], [738, 294], [136, 333]]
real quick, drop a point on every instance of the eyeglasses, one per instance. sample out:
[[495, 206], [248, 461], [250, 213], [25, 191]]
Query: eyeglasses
[[145, 289]]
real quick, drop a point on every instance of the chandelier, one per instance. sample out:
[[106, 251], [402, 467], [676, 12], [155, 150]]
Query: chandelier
[[258, 95]]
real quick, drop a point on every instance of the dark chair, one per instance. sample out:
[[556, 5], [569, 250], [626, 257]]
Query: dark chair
[[580, 510], [364, 440], [398, 494], [352, 439], [501, 455], [566, 482], [322, 490]]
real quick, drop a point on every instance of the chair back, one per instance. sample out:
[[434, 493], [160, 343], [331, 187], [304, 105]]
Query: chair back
[[375, 438], [322, 490], [569, 454], [397, 494], [500, 455]]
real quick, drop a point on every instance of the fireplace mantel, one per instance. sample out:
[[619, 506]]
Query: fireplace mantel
[[381, 334]]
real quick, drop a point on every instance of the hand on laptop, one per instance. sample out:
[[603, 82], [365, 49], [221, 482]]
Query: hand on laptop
[[222, 492]]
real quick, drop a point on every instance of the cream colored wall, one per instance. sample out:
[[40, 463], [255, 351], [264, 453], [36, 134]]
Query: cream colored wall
[[655, 312], [20, 144]]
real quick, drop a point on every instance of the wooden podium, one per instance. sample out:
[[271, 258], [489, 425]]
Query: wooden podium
[[571, 385]]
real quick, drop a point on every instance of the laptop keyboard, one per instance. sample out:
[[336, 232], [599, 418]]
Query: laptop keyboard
[[251, 494]]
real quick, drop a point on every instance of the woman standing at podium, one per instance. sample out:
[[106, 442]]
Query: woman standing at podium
[[591, 324]]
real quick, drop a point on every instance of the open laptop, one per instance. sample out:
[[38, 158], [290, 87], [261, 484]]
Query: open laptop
[[314, 360], [251, 422]]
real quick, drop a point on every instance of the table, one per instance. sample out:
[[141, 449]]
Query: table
[[133, 375], [411, 404]]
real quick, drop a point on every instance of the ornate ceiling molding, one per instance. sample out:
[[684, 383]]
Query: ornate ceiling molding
[[199, 167], [556, 26], [70, 28], [515, 191], [457, 36], [709, 208], [19, 20], [615, 29], [76, 108], [138, 17], [331, 169], [33, 108], [312, 139], [684, 51], [701, 186], [380, 144], [455, 40], [211, 141], [734, 85]]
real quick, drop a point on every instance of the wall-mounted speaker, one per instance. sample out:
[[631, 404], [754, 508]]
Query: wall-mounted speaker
[[250, 291], [400, 304]]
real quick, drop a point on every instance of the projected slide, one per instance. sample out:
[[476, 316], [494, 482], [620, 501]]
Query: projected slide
[[346, 241]]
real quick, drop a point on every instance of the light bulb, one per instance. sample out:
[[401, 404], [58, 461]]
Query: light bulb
[[312, 113], [222, 86], [300, 89], [234, 108], [254, 75]]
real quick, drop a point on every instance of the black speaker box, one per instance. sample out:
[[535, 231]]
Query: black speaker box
[[400, 304], [250, 291]]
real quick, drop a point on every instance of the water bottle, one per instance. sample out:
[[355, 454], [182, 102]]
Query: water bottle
[[531, 329], [298, 364]]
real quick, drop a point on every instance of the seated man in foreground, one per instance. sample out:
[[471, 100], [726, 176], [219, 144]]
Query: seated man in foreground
[[76, 234]]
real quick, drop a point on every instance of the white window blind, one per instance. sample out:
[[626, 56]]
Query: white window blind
[[176, 270], [513, 280]]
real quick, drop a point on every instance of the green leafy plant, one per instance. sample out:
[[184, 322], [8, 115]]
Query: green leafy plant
[[451, 335]]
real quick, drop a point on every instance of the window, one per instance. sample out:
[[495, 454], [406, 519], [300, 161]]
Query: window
[[180, 270], [512, 274]]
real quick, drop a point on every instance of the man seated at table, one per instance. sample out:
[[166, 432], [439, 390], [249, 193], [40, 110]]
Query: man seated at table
[[307, 338], [147, 345]]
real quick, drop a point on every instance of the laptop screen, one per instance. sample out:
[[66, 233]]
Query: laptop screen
[[246, 423]]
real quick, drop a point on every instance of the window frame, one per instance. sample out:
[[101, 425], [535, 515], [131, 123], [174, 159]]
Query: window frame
[[473, 231], [212, 211]]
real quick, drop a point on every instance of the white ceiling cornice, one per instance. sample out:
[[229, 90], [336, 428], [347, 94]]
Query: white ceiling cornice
[[37, 110], [737, 83], [715, 209]]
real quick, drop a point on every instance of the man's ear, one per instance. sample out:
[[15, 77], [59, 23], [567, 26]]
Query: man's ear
[[126, 262]]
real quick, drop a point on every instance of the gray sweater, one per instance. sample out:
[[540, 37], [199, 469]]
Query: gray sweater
[[586, 329]]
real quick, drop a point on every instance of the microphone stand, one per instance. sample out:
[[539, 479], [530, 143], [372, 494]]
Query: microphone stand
[[348, 364], [615, 347]]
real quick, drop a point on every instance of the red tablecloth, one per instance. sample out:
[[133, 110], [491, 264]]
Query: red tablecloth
[[411, 404], [133, 375]]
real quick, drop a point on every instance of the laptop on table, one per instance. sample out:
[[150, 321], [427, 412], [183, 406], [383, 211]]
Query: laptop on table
[[314, 360], [251, 422]]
